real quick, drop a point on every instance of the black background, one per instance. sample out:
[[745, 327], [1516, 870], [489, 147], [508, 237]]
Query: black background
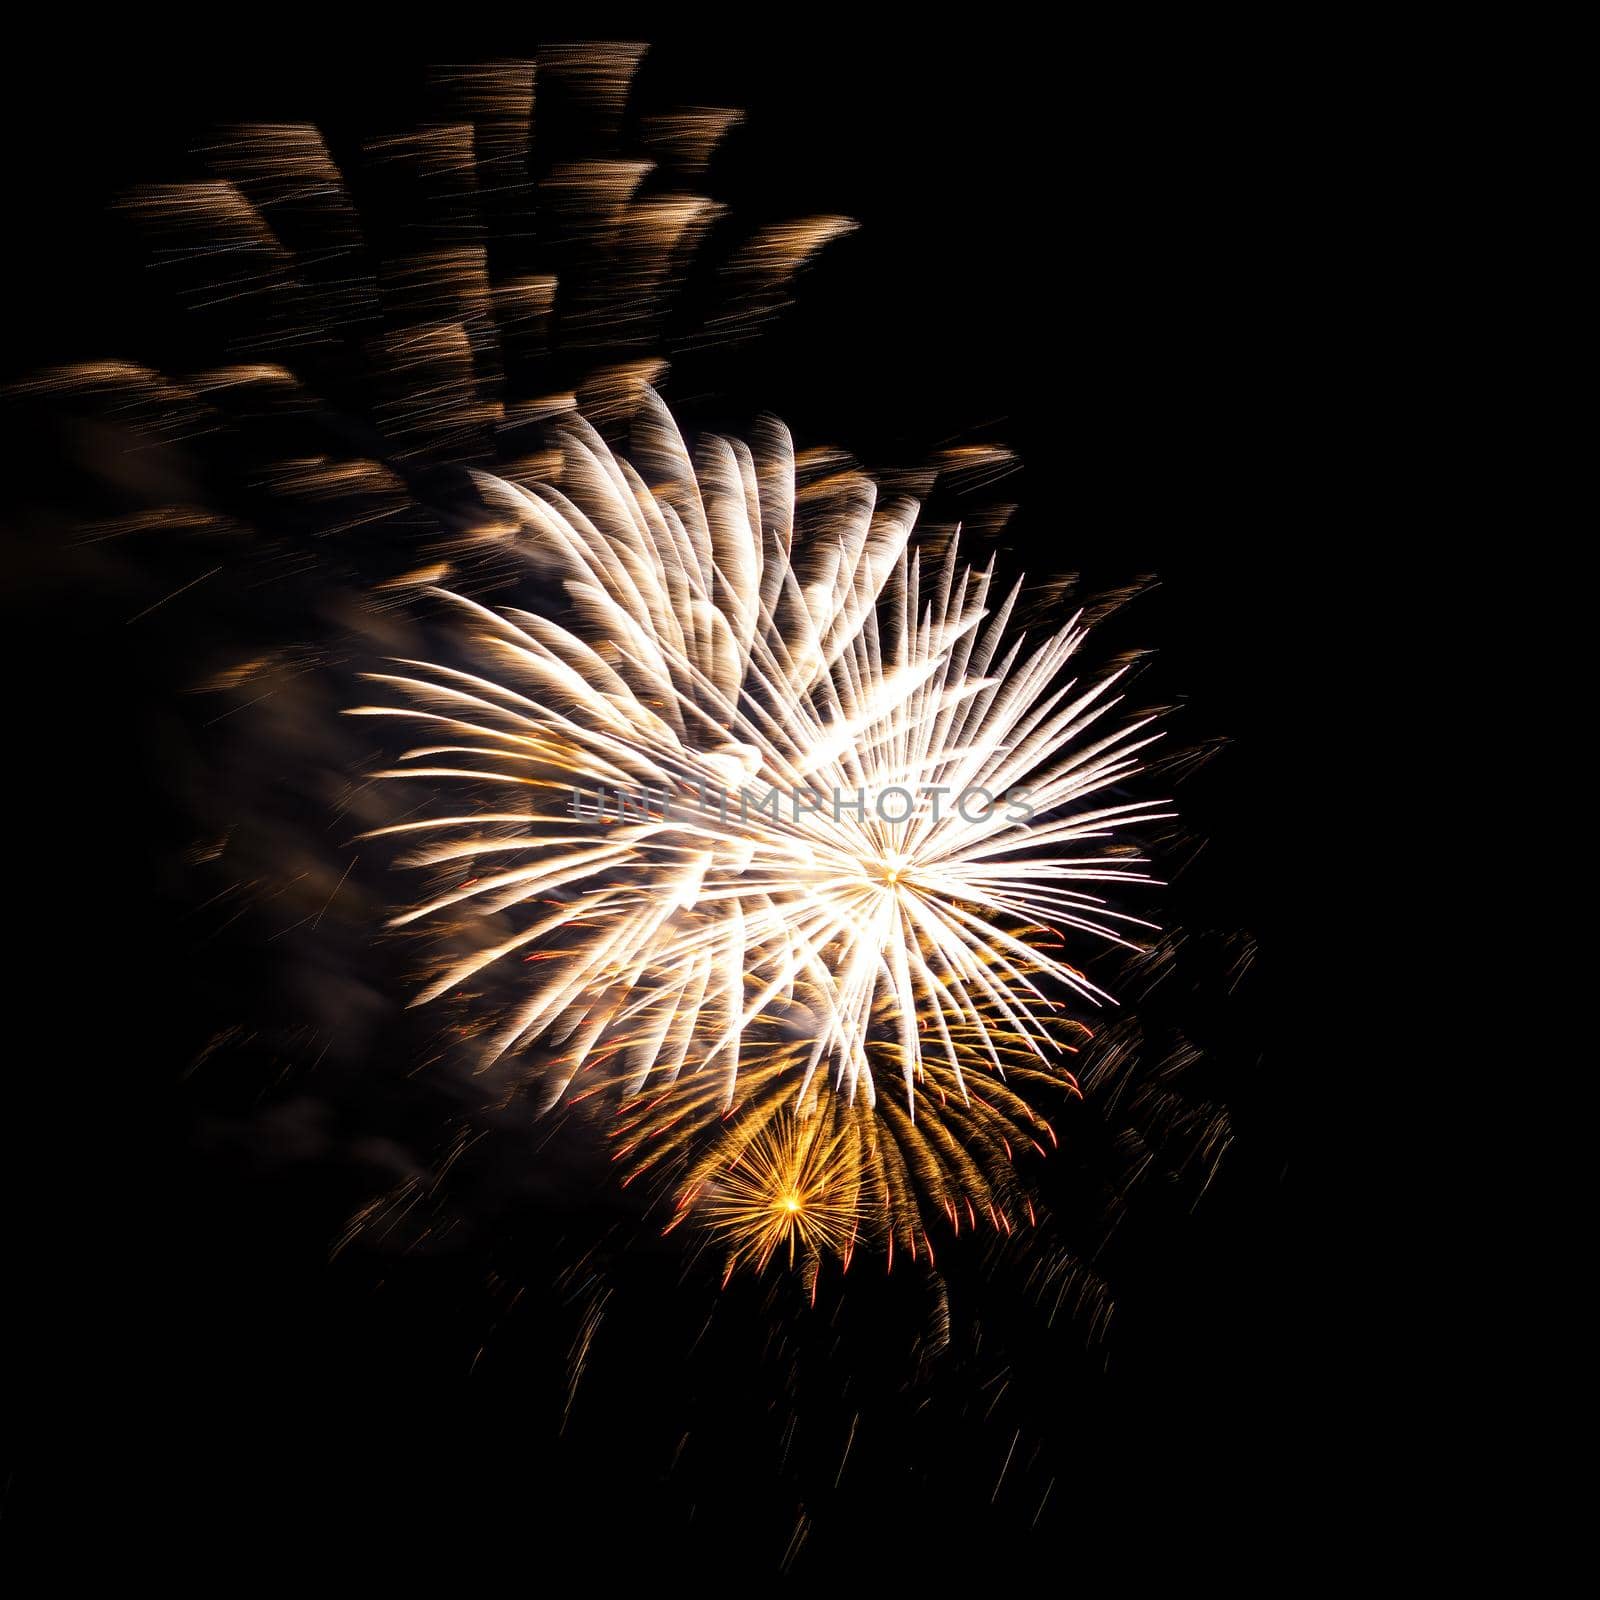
[[1119, 256]]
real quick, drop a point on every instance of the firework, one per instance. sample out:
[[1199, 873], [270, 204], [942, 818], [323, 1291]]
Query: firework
[[852, 822], [860, 821], [793, 1186]]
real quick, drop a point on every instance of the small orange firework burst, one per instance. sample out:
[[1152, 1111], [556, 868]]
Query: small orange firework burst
[[794, 1185]]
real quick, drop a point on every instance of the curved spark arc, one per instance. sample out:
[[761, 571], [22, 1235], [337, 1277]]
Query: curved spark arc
[[719, 653]]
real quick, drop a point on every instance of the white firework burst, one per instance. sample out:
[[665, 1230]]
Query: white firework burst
[[858, 819]]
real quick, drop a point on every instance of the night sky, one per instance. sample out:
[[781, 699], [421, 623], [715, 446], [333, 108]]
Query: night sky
[[1105, 254]]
